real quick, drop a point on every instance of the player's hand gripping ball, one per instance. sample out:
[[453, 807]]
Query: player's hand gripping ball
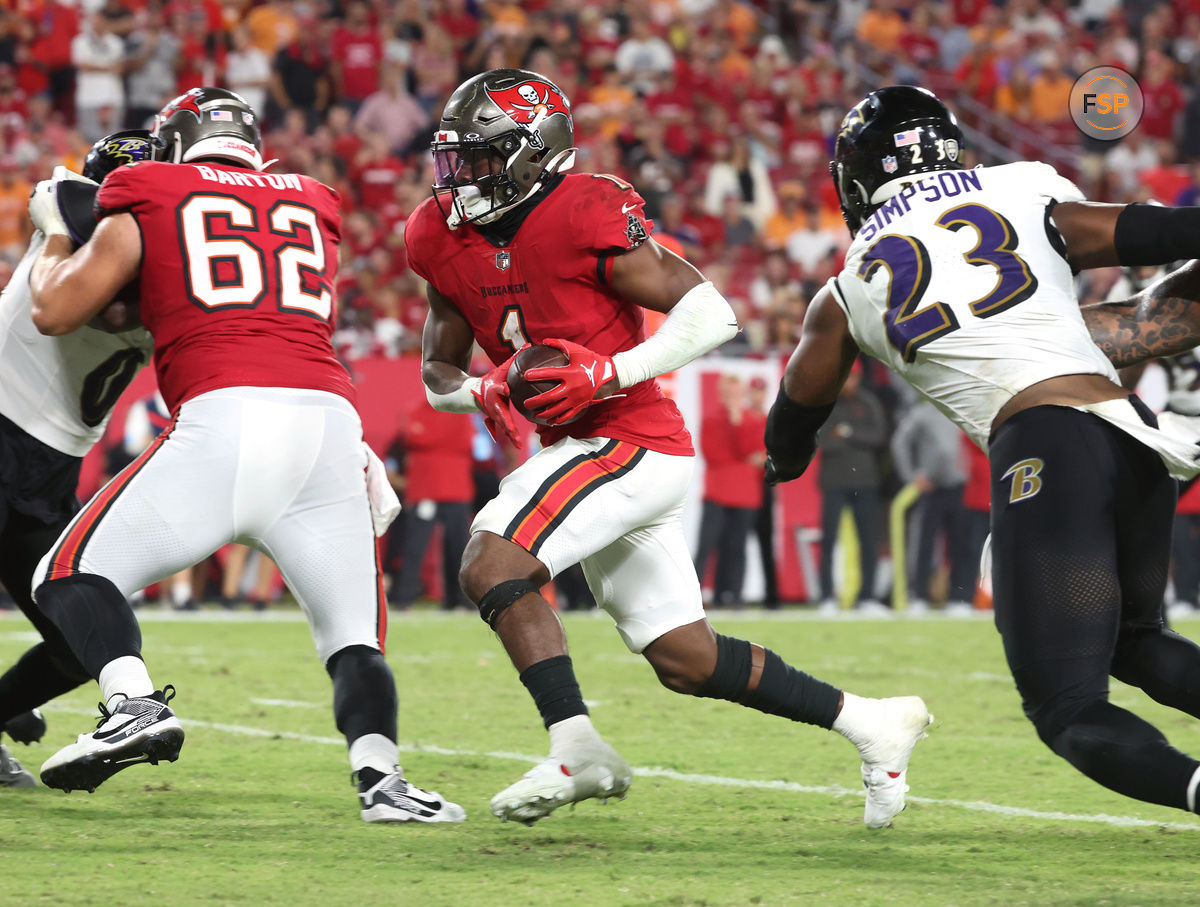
[[576, 384], [493, 398], [521, 389]]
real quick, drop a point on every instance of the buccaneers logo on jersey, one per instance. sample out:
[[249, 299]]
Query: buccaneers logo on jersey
[[528, 104]]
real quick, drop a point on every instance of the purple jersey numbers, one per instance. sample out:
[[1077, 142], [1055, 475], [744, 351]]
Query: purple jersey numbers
[[906, 259]]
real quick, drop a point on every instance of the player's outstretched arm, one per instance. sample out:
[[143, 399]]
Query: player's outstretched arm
[[1101, 236], [1162, 320], [811, 383], [699, 319], [70, 289]]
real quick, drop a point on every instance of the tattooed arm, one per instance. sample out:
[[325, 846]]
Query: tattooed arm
[[1162, 320]]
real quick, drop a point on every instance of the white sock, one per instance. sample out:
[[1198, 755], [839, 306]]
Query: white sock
[[571, 732], [181, 594], [375, 751], [858, 718], [1191, 790], [124, 678]]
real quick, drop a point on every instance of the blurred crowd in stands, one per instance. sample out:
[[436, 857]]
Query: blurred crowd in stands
[[720, 112]]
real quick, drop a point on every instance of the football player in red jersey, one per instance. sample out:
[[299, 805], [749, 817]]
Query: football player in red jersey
[[237, 269], [515, 250]]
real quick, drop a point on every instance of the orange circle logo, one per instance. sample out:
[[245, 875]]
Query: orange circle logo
[[1106, 103]]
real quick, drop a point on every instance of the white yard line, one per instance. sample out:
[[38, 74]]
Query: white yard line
[[686, 777], [290, 703]]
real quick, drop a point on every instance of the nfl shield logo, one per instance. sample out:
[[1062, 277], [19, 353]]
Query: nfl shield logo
[[889, 164], [503, 260]]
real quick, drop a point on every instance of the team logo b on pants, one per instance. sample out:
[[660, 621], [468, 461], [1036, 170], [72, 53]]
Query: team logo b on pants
[[1026, 480]]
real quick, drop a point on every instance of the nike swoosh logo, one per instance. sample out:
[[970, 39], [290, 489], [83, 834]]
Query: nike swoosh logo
[[399, 801], [625, 209]]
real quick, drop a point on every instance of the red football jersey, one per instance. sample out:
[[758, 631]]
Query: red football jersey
[[238, 275], [551, 280]]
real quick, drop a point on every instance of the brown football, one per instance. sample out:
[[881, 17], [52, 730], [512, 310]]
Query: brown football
[[520, 390]]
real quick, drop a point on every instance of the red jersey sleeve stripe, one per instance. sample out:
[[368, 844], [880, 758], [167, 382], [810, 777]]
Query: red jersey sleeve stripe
[[381, 605]]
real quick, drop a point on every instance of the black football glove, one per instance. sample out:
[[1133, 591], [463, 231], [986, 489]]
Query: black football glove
[[791, 437]]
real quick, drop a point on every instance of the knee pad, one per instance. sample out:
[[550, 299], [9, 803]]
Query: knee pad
[[493, 602], [731, 675], [364, 692]]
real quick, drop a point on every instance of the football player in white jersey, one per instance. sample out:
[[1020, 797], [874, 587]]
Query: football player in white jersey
[[55, 397], [961, 282]]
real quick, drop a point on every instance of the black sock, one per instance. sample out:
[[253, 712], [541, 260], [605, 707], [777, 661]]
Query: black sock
[[554, 689], [368, 777], [783, 690], [93, 617]]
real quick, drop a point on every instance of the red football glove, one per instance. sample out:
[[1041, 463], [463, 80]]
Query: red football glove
[[492, 398], [579, 380]]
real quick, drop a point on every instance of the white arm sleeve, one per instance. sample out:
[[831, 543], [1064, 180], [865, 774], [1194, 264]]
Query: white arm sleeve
[[460, 400], [700, 322]]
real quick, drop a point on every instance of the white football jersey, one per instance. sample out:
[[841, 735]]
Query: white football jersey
[[61, 389], [960, 285]]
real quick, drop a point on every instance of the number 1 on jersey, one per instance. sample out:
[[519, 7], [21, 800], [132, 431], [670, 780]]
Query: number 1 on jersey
[[512, 328]]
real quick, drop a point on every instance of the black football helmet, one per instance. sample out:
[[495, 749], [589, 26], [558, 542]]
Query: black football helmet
[[208, 124], [503, 135], [892, 133], [76, 199], [112, 151]]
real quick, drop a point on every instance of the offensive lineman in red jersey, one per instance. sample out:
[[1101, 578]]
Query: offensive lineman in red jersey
[[517, 251], [237, 269]]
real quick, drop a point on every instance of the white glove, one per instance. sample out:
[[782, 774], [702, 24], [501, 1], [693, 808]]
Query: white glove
[[44, 209], [385, 506]]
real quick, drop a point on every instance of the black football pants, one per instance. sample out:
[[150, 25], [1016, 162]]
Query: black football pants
[[1081, 539]]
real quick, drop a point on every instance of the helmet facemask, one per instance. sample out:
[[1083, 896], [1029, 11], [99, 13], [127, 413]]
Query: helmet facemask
[[477, 180]]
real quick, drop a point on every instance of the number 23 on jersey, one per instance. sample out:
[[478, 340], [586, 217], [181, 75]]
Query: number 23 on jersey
[[909, 325], [226, 268]]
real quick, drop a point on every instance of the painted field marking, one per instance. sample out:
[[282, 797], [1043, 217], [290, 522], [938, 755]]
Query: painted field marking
[[290, 703], [689, 778]]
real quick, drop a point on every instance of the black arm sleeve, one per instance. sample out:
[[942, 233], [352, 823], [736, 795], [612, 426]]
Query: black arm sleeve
[[791, 437], [76, 203], [1155, 235]]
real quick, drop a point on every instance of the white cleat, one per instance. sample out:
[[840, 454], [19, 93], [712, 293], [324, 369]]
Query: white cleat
[[885, 756], [141, 729], [392, 799], [595, 771], [12, 773]]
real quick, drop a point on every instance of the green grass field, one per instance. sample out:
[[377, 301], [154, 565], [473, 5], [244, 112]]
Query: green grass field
[[728, 806]]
